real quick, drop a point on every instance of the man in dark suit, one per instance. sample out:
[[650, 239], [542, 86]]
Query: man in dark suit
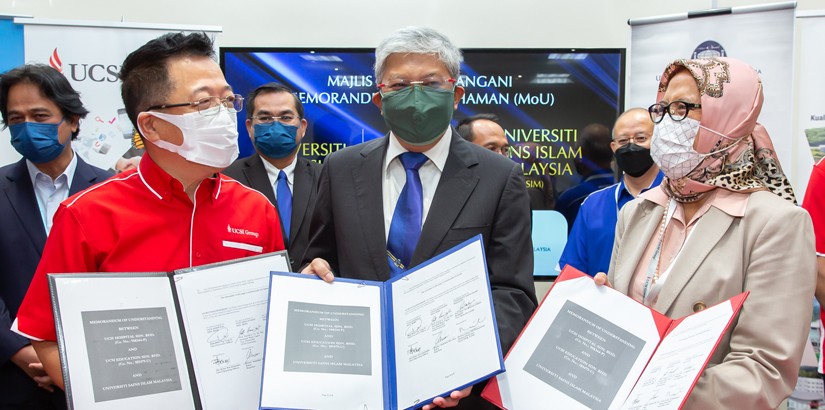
[[485, 130], [465, 190], [276, 124], [43, 112]]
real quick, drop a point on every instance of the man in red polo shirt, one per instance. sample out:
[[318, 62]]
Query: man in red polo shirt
[[814, 203], [175, 210]]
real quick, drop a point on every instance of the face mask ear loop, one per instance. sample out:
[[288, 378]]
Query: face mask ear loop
[[719, 133], [725, 148]]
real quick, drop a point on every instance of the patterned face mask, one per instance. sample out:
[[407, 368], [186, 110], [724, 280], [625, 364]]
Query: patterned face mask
[[672, 146]]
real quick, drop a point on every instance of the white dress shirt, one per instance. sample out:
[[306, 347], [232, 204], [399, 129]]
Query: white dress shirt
[[394, 176], [50, 193], [272, 172]]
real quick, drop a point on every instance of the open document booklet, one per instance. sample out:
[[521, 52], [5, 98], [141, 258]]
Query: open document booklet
[[191, 339], [591, 347], [381, 345]]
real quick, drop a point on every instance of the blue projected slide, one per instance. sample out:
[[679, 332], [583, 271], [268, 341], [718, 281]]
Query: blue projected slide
[[543, 97]]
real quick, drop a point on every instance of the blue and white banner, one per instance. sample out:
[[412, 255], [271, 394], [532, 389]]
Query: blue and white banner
[[761, 36], [90, 54], [810, 99]]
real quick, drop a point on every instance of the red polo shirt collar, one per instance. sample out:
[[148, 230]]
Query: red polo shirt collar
[[167, 188]]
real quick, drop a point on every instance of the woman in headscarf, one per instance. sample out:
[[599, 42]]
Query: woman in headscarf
[[723, 222]]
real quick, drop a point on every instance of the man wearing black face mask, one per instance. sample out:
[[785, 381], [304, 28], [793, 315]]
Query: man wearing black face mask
[[590, 243], [462, 190]]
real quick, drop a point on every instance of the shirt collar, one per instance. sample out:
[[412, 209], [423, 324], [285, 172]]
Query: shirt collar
[[165, 187], [272, 171], [656, 182], [729, 202], [437, 154], [68, 172]]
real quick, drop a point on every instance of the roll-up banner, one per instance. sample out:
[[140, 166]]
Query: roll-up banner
[[810, 100], [90, 55], [11, 37], [762, 36]]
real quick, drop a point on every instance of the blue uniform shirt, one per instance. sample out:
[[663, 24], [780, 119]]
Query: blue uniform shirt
[[590, 244], [571, 199]]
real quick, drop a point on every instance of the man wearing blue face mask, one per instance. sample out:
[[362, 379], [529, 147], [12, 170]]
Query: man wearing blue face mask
[[392, 203], [276, 124], [43, 114]]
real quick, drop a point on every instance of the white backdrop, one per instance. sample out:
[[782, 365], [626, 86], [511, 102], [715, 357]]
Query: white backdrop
[[743, 36], [810, 101], [90, 54]]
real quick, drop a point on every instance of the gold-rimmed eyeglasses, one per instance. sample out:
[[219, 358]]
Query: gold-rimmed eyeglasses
[[268, 119], [233, 103], [638, 139], [433, 82]]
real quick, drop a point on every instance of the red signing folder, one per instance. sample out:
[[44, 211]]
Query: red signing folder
[[591, 347]]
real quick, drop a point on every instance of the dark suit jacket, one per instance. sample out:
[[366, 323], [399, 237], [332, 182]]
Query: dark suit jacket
[[479, 192], [250, 171], [22, 236]]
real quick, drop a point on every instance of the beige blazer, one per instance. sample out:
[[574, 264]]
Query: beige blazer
[[769, 252]]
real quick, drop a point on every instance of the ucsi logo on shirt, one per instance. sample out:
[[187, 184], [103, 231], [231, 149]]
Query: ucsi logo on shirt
[[241, 231]]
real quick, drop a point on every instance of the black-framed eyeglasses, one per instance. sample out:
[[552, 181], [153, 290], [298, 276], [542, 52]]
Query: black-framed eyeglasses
[[637, 139], [677, 110], [268, 119], [233, 103]]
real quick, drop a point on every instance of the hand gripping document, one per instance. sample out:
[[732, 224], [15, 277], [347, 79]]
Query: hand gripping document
[[190, 339], [381, 345], [591, 347]]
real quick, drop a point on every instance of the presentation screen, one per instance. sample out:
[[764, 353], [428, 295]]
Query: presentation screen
[[543, 98]]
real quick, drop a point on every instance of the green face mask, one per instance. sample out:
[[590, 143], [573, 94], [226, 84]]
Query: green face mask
[[418, 115]]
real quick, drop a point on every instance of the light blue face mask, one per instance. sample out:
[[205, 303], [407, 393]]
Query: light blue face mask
[[275, 140], [37, 142]]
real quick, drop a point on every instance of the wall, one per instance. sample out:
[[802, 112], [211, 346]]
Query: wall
[[363, 23]]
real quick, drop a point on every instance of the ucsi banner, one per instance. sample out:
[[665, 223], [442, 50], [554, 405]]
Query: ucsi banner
[[90, 55], [762, 36]]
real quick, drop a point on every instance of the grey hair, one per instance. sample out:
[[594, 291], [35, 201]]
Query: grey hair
[[418, 40]]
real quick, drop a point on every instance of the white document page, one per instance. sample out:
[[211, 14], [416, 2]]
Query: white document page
[[324, 347], [224, 312], [584, 348], [444, 327], [680, 357], [122, 342]]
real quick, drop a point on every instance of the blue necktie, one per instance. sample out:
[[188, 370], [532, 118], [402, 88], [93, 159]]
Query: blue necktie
[[405, 227], [284, 199]]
